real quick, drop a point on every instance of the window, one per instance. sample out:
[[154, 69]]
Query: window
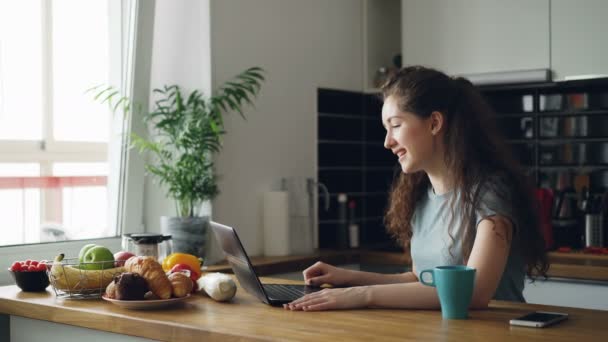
[[54, 138]]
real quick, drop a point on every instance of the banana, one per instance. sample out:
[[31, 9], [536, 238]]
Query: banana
[[69, 278]]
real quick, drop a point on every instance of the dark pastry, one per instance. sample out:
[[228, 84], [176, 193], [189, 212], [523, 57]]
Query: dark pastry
[[130, 286]]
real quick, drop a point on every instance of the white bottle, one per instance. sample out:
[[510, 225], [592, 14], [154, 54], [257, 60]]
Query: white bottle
[[353, 228], [353, 231]]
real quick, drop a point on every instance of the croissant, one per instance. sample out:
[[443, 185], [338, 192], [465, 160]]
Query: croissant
[[152, 271], [111, 290], [181, 283]]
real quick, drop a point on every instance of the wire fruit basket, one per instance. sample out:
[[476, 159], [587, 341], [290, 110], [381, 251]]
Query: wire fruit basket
[[70, 278]]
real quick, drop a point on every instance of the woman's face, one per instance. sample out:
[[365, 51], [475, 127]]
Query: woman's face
[[407, 136]]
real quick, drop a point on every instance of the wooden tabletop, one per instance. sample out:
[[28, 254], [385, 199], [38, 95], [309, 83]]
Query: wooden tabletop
[[245, 318]]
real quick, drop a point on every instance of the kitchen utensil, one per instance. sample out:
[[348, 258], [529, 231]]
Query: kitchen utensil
[[581, 181], [567, 230], [563, 207], [156, 245], [594, 232], [594, 222]]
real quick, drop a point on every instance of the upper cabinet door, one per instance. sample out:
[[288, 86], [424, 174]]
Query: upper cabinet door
[[579, 43], [472, 36]]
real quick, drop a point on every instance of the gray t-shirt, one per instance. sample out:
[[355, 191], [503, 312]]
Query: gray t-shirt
[[430, 239]]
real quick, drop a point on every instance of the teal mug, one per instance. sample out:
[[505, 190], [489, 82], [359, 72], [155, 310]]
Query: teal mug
[[455, 289]]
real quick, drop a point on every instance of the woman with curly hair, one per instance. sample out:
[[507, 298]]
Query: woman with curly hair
[[461, 199]]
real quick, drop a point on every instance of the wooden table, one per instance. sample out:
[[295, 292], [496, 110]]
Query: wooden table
[[245, 318]]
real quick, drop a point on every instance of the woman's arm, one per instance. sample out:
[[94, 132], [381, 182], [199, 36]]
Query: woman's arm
[[321, 273], [488, 257], [361, 278]]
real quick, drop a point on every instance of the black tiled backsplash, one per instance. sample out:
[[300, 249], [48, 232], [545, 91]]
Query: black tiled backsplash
[[376, 205], [372, 106], [342, 180], [340, 102], [375, 233], [340, 128], [340, 155], [327, 235], [378, 156], [352, 160], [374, 131], [379, 181]]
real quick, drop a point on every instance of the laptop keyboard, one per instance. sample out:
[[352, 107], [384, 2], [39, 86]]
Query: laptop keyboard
[[279, 291]]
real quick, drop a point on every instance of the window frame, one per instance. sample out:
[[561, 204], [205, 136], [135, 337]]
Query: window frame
[[132, 28]]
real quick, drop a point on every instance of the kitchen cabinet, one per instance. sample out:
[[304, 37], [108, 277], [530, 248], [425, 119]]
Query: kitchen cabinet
[[578, 294], [578, 38], [474, 36], [557, 130], [26, 329]]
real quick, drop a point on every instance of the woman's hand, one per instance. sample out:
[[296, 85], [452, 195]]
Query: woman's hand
[[321, 273], [331, 299]]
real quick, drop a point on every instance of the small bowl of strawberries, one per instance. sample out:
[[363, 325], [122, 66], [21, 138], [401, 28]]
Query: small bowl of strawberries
[[30, 275]]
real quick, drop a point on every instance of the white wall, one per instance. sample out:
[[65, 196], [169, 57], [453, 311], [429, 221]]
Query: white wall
[[578, 38], [577, 294], [303, 45], [471, 36], [181, 56], [382, 41]]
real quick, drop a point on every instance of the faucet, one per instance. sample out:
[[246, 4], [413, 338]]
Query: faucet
[[310, 186]]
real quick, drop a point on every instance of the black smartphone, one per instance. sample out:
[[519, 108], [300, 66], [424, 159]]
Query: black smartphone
[[539, 319]]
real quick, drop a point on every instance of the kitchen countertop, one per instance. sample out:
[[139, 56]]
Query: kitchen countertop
[[563, 265], [245, 318]]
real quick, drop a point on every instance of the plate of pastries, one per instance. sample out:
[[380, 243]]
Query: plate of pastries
[[145, 285]]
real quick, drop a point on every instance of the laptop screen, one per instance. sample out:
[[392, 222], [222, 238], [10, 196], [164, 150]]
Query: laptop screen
[[238, 259]]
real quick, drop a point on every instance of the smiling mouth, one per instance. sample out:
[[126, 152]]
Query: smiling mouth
[[400, 154]]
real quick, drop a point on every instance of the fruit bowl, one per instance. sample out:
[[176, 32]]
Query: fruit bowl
[[73, 279], [30, 281]]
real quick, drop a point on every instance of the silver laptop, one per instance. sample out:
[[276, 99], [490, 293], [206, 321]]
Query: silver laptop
[[273, 294]]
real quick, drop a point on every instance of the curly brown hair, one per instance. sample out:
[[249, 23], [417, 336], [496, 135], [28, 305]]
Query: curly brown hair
[[476, 155]]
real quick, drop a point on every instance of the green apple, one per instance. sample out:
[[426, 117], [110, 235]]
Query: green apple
[[84, 250], [94, 257]]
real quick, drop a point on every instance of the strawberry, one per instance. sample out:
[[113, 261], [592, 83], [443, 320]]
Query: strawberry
[[16, 266]]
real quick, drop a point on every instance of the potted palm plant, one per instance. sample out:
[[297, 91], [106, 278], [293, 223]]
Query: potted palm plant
[[185, 133]]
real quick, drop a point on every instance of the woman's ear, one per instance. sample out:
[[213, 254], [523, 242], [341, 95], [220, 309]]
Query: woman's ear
[[437, 122]]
